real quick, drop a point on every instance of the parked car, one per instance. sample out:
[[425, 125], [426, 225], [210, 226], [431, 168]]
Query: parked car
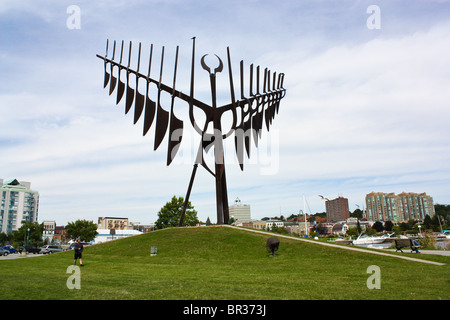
[[3, 252], [10, 249], [50, 249], [32, 249]]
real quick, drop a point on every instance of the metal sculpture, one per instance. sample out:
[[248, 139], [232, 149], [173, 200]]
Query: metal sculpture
[[272, 245], [249, 113]]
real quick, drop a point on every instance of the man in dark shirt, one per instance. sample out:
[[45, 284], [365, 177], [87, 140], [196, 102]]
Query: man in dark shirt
[[78, 249]]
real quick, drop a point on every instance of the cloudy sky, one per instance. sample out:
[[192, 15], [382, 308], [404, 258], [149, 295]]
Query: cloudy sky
[[366, 109]]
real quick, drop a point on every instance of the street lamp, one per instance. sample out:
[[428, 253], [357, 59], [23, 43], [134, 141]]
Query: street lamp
[[306, 225]]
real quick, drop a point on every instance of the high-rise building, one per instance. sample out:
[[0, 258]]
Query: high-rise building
[[18, 203], [337, 209], [415, 206], [382, 207], [399, 208], [240, 212]]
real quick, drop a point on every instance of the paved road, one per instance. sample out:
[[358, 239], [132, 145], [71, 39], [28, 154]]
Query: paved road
[[19, 256]]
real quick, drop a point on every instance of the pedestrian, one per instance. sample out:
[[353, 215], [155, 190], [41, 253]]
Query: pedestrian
[[78, 248], [416, 246]]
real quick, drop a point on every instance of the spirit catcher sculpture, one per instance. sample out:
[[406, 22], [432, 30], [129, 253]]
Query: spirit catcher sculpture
[[249, 113]]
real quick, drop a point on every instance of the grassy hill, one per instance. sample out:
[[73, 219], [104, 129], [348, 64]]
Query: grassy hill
[[220, 263]]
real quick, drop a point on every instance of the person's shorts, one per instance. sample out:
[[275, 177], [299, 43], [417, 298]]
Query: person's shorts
[[77, 255]]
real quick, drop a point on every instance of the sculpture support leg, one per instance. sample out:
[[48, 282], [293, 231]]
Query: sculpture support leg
[[226, 214], [188, 194], [219, 194]]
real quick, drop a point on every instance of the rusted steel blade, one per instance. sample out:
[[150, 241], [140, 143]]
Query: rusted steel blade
[[274, 96], [113, 79], [241, 69], [239, 148], [150, 106], [176, 125], [106, 78], [267, 117], [121, 84], [162, 116], [238, 132], [130, 91], [139, 104], [191, 92], [247, 133], [129, 98], [175, 136], [185, 97], [150, 110], [257, 80], [251, 80], [239, 144], [162, 122], [256, 125], [120, 90]]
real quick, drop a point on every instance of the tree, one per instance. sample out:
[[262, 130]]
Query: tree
[[427, 222], [388, 225], [83, 229], [358, 227], [169, 215], [357, 214], [378, 226], [29, 233], [442, 209], [352, 232], [4, 239], [435, 223]]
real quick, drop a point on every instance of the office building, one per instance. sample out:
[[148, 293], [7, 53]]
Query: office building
[[18, 203], [337, 209], [240, 212], [113, 223]]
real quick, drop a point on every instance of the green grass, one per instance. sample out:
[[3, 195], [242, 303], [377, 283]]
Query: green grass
[[221, 263]]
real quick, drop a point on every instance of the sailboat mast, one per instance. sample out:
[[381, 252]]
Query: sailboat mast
[[304, 211]]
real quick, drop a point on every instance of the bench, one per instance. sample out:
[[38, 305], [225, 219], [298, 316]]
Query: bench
[[405, 243]]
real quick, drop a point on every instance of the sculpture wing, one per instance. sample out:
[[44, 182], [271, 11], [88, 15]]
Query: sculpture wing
[[256, 108], [143, 104]]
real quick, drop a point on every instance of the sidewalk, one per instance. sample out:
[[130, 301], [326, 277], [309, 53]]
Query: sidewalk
[[344, 247], [436, 252]]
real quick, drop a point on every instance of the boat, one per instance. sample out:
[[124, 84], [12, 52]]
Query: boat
[[343, 240], [445, 234], [364, 239]]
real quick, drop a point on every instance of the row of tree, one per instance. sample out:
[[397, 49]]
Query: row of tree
[[170, 213], [31, 233]]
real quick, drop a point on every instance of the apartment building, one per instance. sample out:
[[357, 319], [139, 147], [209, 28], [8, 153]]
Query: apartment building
[[415, 206], [49, 230], [399, 208], [18, 203], [337, 209]]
